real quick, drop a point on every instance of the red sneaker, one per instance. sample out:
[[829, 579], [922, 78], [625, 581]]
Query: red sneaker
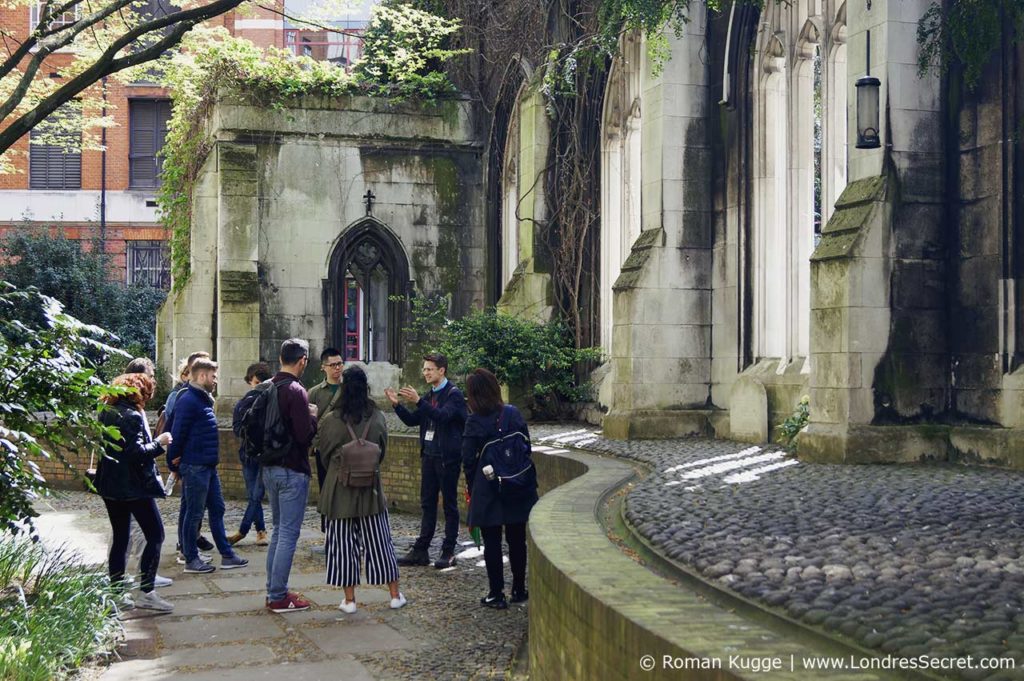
[[292, 602]]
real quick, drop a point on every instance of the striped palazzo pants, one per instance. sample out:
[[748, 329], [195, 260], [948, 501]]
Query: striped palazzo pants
[[348, 539]]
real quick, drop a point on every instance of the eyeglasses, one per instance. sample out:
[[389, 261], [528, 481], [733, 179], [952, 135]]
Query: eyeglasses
[[334, 365]]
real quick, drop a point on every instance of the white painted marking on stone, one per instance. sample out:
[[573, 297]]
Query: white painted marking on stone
[[541, 448], [467, 543], [556, 451], [673, 483], [469, 554], [725, 457], [483, 563], [755, 474], [574, 438], [558, 435], [727, 466], [692, 489]]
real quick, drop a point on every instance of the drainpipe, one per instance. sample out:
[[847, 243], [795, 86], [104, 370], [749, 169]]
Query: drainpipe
[[103, 171]]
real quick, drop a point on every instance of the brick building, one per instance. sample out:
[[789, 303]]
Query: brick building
[[110, 195]]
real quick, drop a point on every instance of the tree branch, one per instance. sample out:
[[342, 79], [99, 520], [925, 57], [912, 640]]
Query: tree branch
[[109, 63]]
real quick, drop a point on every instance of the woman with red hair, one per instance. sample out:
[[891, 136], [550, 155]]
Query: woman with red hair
[[129, 483]]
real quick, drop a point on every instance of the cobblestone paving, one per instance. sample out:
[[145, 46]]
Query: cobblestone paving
[[454, 637], [907, 560]]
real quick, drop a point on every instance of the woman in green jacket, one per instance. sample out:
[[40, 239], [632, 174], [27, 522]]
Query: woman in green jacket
[[357, 517]]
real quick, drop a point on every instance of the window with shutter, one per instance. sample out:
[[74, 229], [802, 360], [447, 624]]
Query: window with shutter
[[147, 120], [55, 157]]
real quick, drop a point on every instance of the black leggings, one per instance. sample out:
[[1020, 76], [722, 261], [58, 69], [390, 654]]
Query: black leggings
[[148, 517], [515, 536]]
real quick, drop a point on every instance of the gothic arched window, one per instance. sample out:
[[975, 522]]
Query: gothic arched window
[[368, 273]]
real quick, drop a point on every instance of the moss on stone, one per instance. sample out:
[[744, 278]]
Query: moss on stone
[[860, 191], [834, 246]]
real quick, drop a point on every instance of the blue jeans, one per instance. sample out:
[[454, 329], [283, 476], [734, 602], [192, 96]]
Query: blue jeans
[[287, 491], [255, 490], [202, 493]]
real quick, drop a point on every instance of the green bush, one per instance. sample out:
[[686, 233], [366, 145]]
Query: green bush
[[791, 427], [539, 359], [48, 395], [55, 613], [80, 280]]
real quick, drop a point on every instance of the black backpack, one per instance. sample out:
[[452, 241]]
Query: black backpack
[[265, 435], [509, 455]]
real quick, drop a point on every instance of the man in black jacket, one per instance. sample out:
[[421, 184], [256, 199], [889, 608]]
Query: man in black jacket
[[441, 416]]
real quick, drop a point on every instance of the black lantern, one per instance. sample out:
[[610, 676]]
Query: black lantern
[[867, 112], [867, 106]]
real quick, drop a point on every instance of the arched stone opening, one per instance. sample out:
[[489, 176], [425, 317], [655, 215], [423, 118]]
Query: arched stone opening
[[621, 179], [368, 270]]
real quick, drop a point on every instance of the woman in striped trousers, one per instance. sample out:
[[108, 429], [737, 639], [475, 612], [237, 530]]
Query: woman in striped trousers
[[357, 517]]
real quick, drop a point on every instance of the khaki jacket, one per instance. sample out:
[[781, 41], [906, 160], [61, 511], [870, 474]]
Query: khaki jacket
[[321, 395], [337, 500]]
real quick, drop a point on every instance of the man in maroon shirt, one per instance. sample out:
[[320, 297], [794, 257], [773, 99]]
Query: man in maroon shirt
[[287, 482]]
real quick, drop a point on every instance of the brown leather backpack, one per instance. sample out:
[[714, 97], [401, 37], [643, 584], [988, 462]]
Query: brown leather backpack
[[359, 459]]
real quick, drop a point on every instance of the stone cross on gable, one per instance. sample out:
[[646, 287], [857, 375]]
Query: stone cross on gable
[[369, 196]]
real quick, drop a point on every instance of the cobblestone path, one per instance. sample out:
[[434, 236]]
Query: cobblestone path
[[908, 560]]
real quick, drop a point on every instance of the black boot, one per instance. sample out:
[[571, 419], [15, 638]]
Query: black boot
[[415, 557], [446, 560]]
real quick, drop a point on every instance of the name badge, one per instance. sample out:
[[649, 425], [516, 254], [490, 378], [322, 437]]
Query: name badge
[[428, 436]]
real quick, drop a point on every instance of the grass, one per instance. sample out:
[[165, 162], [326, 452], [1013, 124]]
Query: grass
[[55, 612]]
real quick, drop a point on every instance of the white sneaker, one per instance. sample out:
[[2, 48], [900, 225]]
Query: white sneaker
[[152, 601], [397, 603], [347, 607], [160, 581]]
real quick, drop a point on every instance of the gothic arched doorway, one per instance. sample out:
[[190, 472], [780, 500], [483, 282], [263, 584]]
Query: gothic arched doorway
[[368, 270]]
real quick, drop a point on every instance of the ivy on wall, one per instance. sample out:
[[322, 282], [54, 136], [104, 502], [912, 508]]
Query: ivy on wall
[[404, 57], [967, 32]]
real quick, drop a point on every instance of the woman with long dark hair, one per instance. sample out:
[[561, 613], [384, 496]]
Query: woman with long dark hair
[[490, 507], [357, 515], [128, 481]]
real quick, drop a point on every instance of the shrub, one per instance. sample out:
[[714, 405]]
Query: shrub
[[523, 354], [55, 613], [80, 280], [791, 427], [48, 395]]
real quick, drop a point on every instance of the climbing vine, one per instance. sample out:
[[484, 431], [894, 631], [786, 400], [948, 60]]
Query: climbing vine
[[967, 32], [404, 57]]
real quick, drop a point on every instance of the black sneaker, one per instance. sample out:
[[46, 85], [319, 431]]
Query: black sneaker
[[446, 560], [497, 602], [519, 596], [415, 557], [204, 544]]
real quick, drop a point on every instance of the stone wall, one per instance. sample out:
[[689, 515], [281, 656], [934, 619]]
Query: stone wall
[[400, 472], [283, 193]]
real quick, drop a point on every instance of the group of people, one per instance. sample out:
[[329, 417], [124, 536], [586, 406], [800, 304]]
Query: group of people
[[336, 422]]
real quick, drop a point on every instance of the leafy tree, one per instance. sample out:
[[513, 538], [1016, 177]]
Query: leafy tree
[[48, 394], [104, 37], [79, 279], [968, 32]]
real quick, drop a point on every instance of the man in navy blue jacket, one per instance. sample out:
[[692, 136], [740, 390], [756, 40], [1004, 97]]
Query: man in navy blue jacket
[[441, 416], [195, 454]]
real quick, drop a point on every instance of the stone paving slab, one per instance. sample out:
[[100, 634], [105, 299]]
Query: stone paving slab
[[366, 638], [154, 670], [231, 602], [232, 655], [200, 631], [218, 605], [225, 581]]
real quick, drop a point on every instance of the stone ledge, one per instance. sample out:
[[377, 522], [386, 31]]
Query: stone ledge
[[656, 425], [594, 612], [914, 443]]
